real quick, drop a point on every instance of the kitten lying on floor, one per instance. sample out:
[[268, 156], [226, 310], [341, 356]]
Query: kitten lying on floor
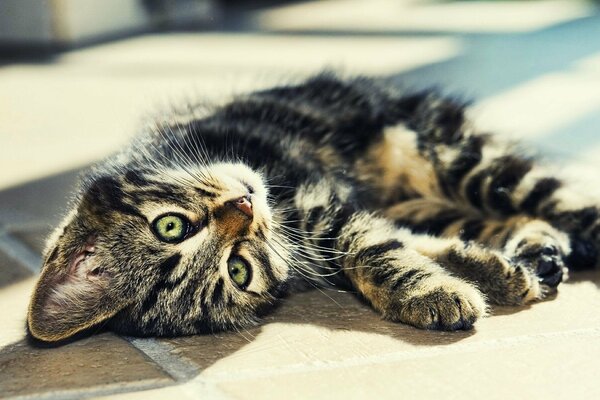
[[202, 223]]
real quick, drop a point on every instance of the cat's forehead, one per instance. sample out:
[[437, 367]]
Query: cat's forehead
[[207, 179], [193, 192]]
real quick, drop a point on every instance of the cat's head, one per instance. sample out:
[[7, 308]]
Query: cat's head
[[173, 252]]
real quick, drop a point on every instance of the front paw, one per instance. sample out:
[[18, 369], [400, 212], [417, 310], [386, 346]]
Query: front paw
[[453, 305]]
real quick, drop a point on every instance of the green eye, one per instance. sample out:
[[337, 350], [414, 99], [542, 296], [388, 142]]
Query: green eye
[[238, 271], [171, 228]]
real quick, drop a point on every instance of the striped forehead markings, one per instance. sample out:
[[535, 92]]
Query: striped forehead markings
[[206, 193]]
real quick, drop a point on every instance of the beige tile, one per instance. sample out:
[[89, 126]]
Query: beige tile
[[14, 300], [186, 391], [545, 368], [102, 361], [206, 350], [314, 329], [170, 392]]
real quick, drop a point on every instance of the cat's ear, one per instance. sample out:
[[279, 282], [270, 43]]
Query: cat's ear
[[77, 288]]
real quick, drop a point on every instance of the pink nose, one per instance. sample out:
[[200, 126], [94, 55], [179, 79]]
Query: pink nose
[[244, 205]]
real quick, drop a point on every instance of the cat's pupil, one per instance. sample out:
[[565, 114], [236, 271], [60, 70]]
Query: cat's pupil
[[170, 226]]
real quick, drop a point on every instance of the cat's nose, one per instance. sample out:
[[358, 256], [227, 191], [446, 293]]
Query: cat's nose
[[244, 205]]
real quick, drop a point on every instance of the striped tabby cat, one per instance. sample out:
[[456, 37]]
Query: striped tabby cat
[[205, 221]]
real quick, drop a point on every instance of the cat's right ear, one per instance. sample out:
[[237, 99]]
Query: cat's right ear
[[77, 288]]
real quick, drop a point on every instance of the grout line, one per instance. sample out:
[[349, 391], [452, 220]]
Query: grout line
[[185, 373], [161, 353], [16, 250]]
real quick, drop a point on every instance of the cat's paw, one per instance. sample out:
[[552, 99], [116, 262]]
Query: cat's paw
[[543, 253], [545, 259], [453, 305]]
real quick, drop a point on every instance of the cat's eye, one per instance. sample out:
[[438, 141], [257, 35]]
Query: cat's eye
[[239, 271], [171, 228]]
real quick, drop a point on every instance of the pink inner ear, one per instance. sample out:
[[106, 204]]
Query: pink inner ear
[[84, 281], [84, 264], [79, 258]]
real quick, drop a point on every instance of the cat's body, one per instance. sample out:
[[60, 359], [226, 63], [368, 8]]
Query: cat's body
[[203, 223]]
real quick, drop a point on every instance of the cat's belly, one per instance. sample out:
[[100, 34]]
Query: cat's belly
[[396, 169]]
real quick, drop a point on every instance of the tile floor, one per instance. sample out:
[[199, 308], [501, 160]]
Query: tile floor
[[59, 116]]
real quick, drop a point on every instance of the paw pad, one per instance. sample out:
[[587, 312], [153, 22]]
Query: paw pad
[[546, 261]]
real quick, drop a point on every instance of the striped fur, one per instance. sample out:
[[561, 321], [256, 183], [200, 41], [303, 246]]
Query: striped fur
[[352, 183]]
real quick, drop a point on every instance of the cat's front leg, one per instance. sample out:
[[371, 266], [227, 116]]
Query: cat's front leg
[[402, 284]]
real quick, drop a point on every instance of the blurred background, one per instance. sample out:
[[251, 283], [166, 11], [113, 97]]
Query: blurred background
[[77, 77]]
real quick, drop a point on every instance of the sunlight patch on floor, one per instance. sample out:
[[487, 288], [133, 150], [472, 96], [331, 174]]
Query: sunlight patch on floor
[[419, 15], [63, 115]]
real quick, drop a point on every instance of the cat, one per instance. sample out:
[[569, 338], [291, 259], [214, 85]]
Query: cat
[[209, 217]]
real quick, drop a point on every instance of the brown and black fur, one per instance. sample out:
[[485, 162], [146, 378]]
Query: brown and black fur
[[356, 184]]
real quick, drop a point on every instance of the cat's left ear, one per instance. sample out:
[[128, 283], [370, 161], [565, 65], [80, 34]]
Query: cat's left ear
[[77, 288]]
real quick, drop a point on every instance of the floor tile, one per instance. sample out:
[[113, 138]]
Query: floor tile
[[100, 361], [186, 391], [40, 203], [14, 300], [314, 328], [531, 369], [11, 271], [34, 239]]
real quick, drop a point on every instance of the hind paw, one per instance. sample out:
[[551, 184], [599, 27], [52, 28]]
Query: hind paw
[[544, 255]]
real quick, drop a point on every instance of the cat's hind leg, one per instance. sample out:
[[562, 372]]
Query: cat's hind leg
[[483, 172], [525, 242]]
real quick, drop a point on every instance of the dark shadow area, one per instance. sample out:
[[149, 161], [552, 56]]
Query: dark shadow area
[[226, 15], [11, 272], [28, 213], [584, 276], [44, 199], [88, 364]]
